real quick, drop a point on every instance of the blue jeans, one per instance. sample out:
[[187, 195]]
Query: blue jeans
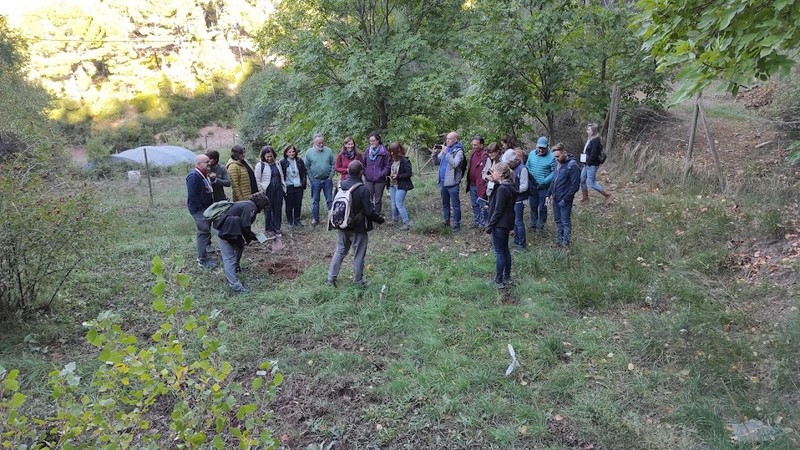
[[538, 203], [450, 197], [520, 240], [502, 255], [562, 213], [398, 197], [479, 208], [589, 173], [327, 187], [231, 253]]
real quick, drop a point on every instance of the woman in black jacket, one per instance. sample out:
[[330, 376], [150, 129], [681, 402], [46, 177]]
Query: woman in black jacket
[[501, 220], [294, 172], [399, 183], [592, 160]]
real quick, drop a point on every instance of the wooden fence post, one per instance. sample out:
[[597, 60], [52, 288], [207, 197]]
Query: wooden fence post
[[692, 131], [147, 169]]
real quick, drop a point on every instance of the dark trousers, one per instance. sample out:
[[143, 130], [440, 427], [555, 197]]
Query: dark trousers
[[272, 215], [294, 203], [502, 255], [538, 202]]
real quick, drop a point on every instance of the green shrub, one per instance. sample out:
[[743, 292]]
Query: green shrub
[[180, 367], [44, 230]]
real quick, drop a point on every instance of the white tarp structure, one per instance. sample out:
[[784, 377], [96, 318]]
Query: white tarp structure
[[157, 155]]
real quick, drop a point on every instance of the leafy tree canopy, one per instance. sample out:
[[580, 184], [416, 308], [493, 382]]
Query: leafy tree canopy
[[539, 59], [361, 65], [737, 41]]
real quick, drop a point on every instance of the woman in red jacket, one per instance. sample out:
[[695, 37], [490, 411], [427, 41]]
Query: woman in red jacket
[[348, 153]]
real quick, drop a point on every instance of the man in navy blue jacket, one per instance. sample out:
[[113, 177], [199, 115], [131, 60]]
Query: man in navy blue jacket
[[566, 182], [200, 197]]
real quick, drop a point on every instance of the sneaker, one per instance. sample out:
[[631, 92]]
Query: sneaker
[[331, 283], [500, 285], [363, 283], [404, 227], [472, 226], [241, 290], [456, 228], [314, 223], [446, 224], [207, 264], [518, 249]]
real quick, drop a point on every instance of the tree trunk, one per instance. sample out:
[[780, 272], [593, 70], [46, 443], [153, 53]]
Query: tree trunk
[[383, 114], [612, 118]]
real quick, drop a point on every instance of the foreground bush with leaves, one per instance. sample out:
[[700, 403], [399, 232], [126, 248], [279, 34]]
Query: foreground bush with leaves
[[181, 371]]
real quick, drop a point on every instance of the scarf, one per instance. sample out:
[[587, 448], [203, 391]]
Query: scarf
[[374, 152]]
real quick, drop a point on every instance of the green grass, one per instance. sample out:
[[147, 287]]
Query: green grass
[[427, 362]]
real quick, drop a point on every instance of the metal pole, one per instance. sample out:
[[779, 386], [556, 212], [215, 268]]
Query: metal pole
[[206, 142], [147, 170]]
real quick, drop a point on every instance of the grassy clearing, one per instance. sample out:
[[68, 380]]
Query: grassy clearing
[[640, 338]]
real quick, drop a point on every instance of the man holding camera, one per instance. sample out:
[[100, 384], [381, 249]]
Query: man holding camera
[[449, 159]]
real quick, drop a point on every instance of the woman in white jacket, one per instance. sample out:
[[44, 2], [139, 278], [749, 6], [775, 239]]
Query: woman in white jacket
[[269, 178]]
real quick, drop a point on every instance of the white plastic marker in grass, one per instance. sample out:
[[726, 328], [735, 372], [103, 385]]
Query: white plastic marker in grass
[[383, 291], [514, 362]]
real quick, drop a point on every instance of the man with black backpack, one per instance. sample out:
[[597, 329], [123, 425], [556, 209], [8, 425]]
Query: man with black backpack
[[352, 214]]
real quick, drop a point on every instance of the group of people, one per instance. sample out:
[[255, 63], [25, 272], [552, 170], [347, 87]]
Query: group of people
[[501, 179], [269, 184]]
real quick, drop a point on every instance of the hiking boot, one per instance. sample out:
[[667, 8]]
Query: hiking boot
[[207, 264]]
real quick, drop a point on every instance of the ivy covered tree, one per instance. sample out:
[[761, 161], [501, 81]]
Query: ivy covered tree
[[363, 65]]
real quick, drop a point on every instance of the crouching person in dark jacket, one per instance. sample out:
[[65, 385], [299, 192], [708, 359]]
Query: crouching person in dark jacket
[[566, 182], [233, 230], [363, 213]]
